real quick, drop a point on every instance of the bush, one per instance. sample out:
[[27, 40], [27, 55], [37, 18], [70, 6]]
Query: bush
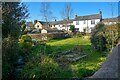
[[104, 37], [25, 44], [82, 73], [42, 68], [111, 35], [97, 39], [72, 28], [9, 57], [79, 34]]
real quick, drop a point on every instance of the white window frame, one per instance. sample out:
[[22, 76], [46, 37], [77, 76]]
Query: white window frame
[[93, 21], [84, 22], [77, 22]]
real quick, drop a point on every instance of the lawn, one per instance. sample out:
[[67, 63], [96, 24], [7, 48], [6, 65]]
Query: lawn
[[66, 44], [81, 68], [86, 66]]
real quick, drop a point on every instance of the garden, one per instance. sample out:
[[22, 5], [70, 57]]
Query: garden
[[24, 58], [62, 58], [74, 57]]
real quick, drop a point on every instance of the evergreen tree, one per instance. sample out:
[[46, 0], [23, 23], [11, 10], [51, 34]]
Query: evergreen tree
[[12, 15]]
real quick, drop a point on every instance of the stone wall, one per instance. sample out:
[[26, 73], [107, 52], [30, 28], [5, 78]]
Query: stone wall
[[40, 37]]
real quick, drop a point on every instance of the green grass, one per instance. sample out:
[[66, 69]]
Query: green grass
[[67, 44], [86, 66], [82, 68], [69, 41]]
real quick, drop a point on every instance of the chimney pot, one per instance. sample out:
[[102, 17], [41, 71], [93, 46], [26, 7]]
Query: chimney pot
[[100, 12], [75, 16], [35, 21]]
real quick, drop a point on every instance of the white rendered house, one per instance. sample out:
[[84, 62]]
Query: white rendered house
[[61, 25], [109, 21], [87, 22]]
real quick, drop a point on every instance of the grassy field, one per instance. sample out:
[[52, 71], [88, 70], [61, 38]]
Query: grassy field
[[66, 44], [86, 66], [79, 69]]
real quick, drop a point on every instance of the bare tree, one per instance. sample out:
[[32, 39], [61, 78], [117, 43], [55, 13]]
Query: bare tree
[[45, 11], [66, 13]]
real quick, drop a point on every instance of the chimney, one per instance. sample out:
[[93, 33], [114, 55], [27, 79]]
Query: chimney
[[75, 16], [100, 12], [68, 18], [100, 15], [35, 21]]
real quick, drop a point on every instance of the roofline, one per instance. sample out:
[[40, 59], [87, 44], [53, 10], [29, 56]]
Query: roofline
[[88, 15]]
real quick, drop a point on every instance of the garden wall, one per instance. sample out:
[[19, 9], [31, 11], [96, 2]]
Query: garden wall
[[47, 36]]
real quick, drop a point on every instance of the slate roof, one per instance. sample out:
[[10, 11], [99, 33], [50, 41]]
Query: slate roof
[[61, 22], [88, 17], [110, 20], [42, 22], [118, 18], [57, 22]]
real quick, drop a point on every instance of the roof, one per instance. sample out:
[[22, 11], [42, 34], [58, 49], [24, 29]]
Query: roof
[[110, 20], [52, 30], [88, 17], [42, 22], [118, 18], [30, 24], [61, 22], [57, 22]]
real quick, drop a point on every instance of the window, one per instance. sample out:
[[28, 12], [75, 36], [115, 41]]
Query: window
[[92, 21], [37, 25], [91, 28], [76, 29], [77, 22], [84, 22]]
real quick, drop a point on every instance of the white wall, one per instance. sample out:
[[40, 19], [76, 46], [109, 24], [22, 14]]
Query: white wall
[[61, 27], [109, 23], [38, 24], [43, 31], [81, 25]]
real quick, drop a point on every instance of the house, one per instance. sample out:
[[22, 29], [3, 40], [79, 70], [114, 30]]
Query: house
[[62, 25], [29, 26], [109, 21], [86, 23], [82, 23], [52, 34], [39, 24], [48, 30]]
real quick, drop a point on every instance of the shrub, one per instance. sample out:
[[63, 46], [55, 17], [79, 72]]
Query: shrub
[[111, 35], [9, 57], [25, 44], [82, 73], [79, 34], [72, 28], [97, 39], [42, 68], [105, 37]]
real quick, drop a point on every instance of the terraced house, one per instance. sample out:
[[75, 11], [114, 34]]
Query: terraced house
[[86, 23], [82, 23]]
